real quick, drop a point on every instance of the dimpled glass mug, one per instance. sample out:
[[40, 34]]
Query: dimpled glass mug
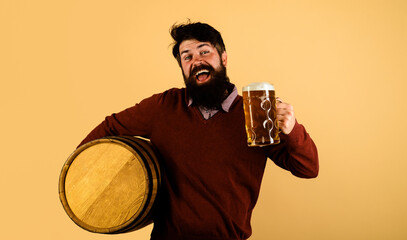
[[259, 105]]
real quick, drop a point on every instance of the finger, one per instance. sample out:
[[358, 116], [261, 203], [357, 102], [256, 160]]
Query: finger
[[284, 117], [279, 101], [286, 110], [284, 107], [280, 105]]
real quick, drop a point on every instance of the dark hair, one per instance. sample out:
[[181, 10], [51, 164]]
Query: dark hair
[[199, 31]]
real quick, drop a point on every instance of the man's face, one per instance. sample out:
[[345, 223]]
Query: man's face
[[197, 60], [204, 73]]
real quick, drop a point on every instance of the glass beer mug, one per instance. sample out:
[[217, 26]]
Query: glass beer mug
[[259, 105]]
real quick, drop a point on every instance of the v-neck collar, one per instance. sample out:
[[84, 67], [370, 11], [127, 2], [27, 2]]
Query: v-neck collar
[[210, 113]]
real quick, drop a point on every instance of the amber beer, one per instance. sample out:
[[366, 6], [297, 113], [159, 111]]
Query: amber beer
[[259, 105]]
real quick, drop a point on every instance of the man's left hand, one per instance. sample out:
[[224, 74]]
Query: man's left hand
[[285, 116]]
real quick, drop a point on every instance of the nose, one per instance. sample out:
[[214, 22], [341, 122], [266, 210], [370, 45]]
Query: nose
[[197, 63]]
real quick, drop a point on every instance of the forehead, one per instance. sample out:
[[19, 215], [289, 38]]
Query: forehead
[[192, 44]]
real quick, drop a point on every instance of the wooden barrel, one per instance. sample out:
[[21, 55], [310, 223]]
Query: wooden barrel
[[109, 185]]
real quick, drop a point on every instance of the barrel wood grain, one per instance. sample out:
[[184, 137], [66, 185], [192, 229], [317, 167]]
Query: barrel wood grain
[[110, 185]]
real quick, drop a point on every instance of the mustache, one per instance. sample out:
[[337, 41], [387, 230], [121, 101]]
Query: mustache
[[199, 68]]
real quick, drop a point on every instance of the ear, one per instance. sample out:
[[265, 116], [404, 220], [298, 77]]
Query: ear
[[224, 58]]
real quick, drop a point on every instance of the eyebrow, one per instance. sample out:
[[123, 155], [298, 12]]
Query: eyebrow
[[200, 46]]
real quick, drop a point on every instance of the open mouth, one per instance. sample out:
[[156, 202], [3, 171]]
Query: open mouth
[[202, 76]]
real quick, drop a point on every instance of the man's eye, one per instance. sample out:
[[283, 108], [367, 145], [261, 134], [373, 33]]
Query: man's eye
[[204, 52], [187, 58]]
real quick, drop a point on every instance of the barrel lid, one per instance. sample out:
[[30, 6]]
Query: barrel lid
[[258, 86], [109, 185]]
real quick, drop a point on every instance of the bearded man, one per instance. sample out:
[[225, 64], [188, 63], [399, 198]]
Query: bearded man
[[211, 178]]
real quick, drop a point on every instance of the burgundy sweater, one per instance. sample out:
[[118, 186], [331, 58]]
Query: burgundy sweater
[[211, 178]]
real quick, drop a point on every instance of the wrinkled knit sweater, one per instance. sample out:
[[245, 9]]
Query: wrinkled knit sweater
[[211, 178]]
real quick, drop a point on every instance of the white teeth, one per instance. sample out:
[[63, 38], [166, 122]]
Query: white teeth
[[201, 71]]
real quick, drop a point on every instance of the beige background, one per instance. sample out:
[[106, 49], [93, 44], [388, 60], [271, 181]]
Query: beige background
[[65, 65]]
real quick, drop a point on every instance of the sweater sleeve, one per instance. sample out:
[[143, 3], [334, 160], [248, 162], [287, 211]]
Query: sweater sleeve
[[133, 121], [296, 153]]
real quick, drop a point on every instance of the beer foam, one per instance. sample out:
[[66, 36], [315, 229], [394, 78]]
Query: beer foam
[[258, 86]]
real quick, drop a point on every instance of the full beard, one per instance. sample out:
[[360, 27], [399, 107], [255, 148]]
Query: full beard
[[212, 93]]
